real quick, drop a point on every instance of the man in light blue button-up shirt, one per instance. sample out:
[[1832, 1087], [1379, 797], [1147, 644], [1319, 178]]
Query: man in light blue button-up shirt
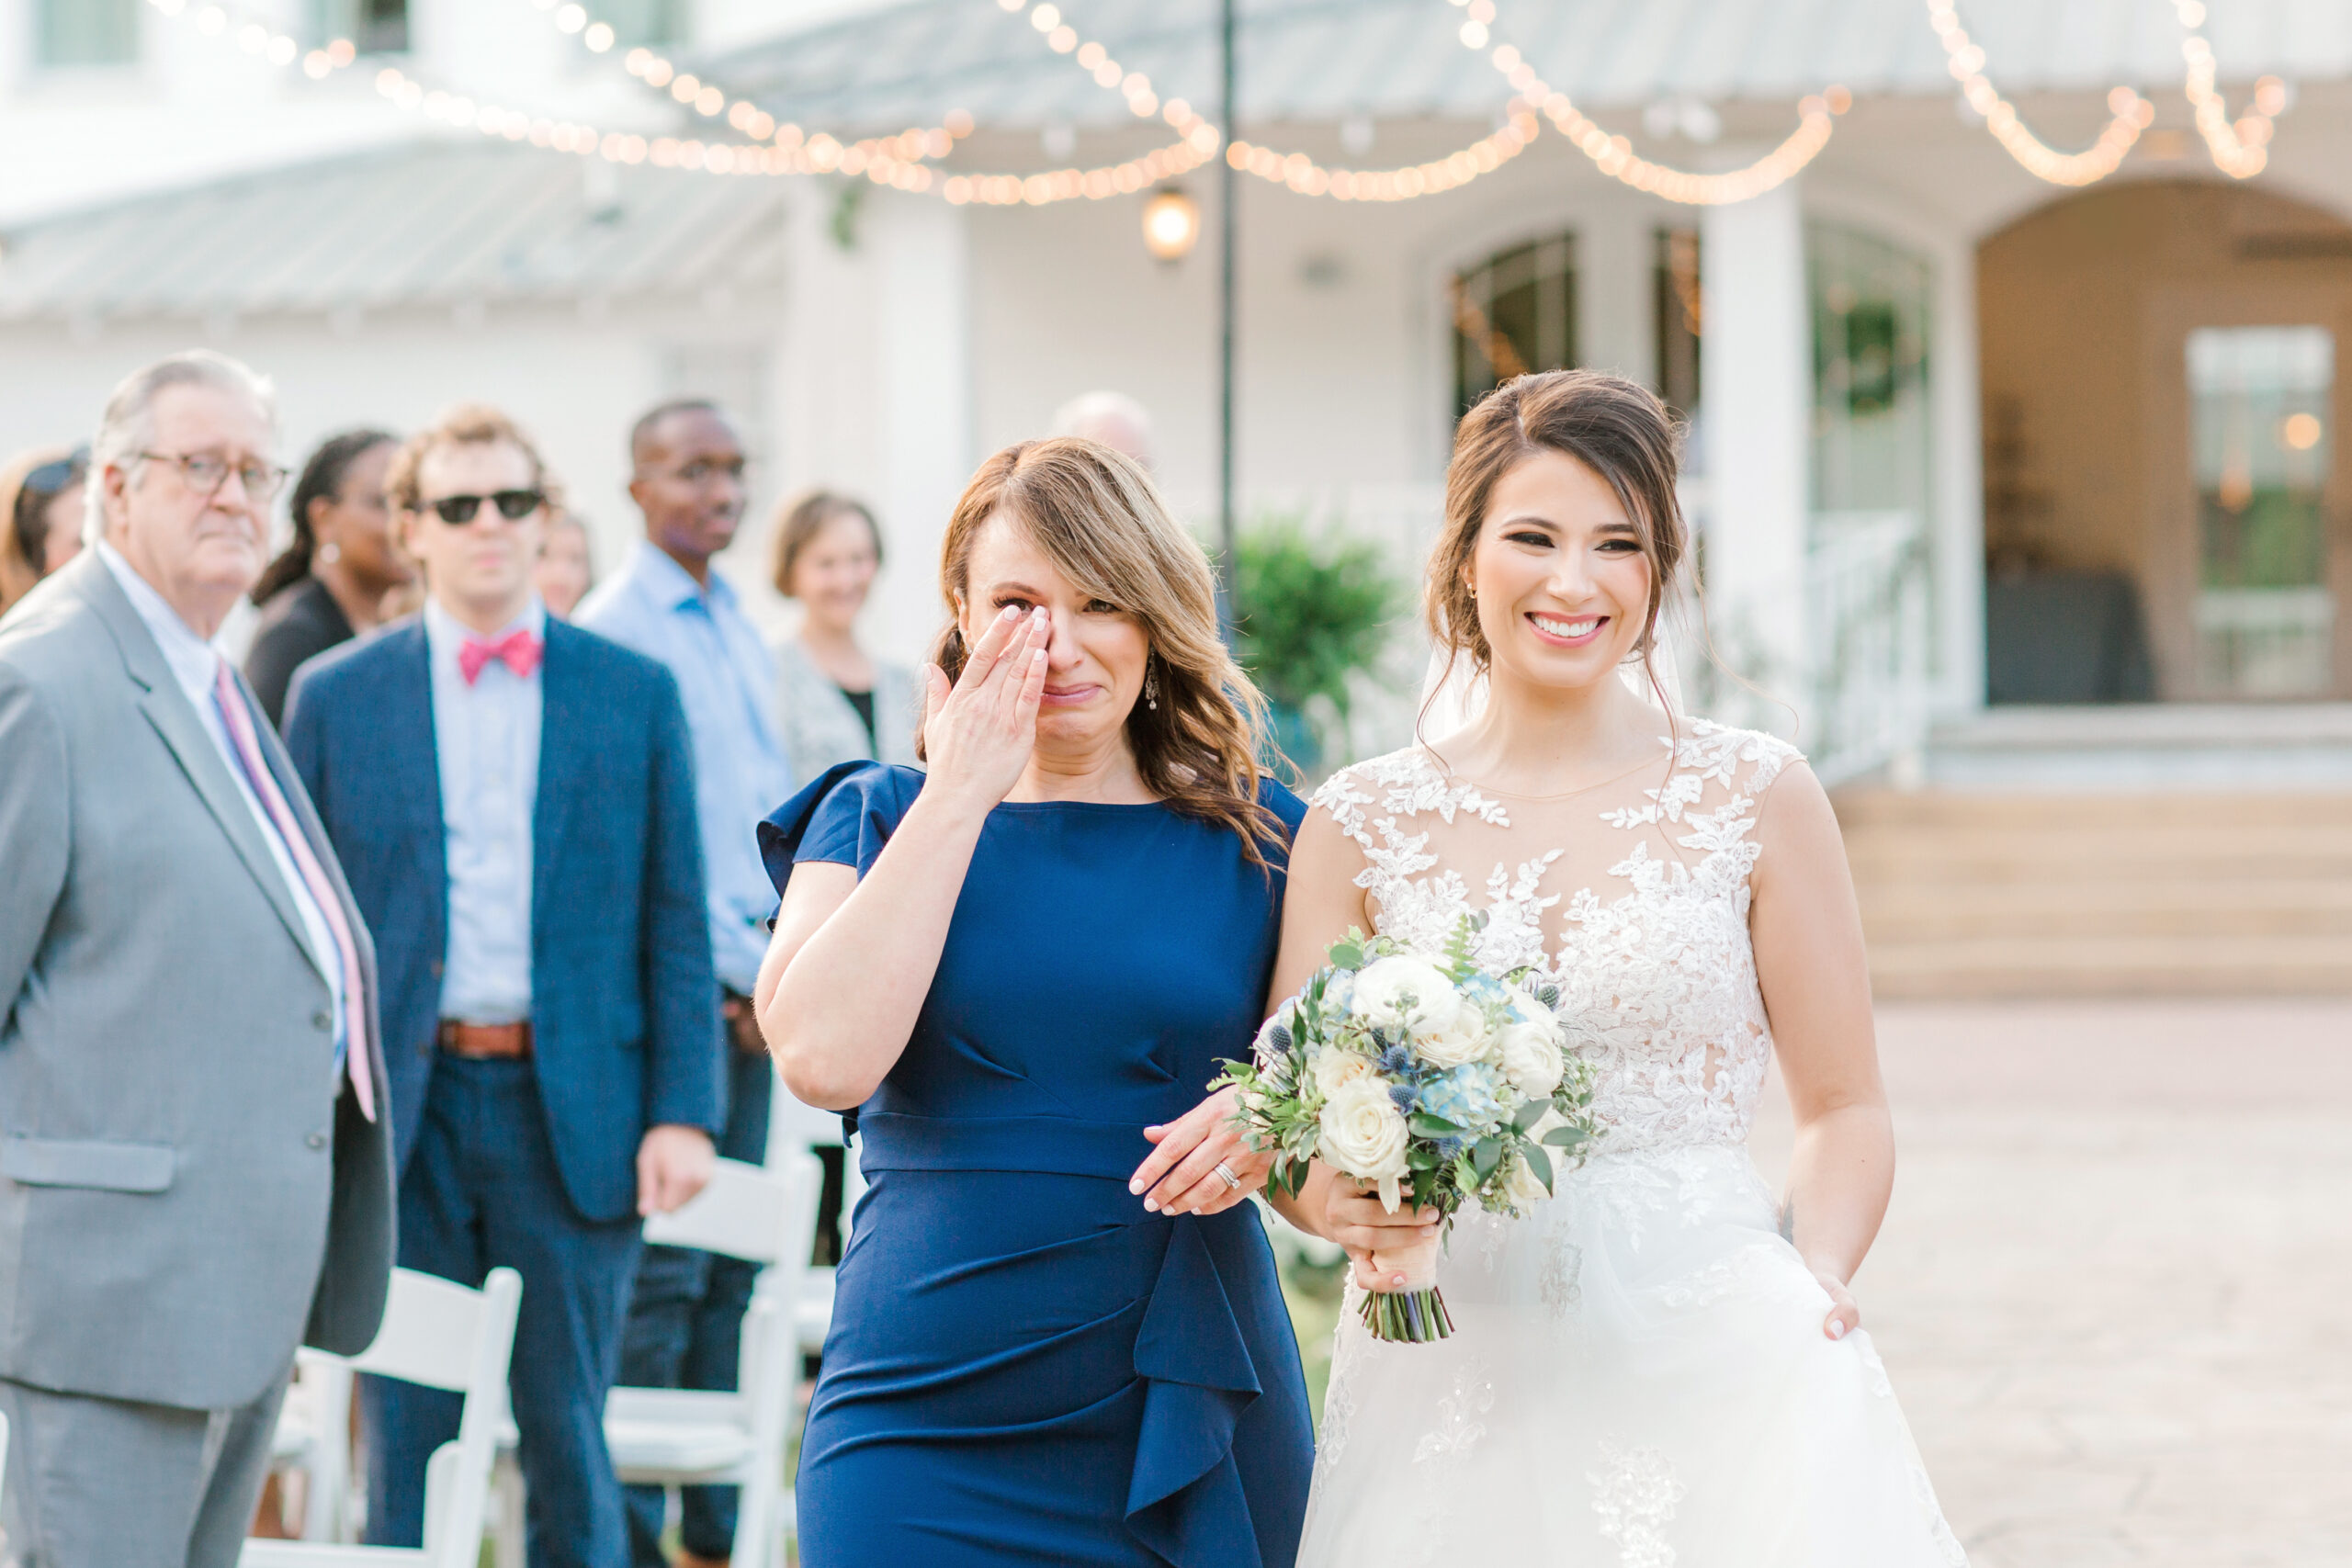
[[685, 1325]]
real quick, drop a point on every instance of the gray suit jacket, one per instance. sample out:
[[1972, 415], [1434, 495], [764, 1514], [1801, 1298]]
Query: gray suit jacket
[[184, 1192]]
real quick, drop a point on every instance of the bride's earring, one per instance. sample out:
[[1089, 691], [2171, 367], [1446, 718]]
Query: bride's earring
[[1151, 686], [330, 553]]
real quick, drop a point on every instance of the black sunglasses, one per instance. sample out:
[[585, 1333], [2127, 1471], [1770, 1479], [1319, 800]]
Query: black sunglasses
[[511, 503]]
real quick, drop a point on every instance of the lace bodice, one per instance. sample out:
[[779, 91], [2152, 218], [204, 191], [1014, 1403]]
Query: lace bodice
[[1657, 973]]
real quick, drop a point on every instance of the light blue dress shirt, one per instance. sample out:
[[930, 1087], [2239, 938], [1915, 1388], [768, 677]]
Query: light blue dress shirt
[[196, 666], [486, 737], [728, 685]]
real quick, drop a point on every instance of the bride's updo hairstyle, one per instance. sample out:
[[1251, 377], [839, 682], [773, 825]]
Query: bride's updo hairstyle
[[1617, 428], [1097, 516]]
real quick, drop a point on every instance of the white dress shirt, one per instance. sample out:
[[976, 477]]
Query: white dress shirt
[[728, 690], [486, 737], [195, 665]]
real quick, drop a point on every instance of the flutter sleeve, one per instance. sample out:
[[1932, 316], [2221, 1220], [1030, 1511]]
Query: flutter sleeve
[[845, 816]]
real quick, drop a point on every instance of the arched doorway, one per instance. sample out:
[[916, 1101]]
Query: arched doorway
[[2165, 495]]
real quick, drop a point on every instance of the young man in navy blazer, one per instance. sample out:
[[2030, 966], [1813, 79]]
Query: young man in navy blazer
[[513, 801]]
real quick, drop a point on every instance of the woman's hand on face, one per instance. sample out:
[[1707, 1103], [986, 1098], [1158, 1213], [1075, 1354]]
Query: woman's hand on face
[[1179, 1176], [978, 735], [1353, 1217]]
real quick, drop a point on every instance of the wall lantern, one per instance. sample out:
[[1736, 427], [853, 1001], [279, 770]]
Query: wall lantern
[[1171, 223]]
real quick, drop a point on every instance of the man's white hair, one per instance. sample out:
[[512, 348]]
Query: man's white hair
[[127, 426], [1114, 419]]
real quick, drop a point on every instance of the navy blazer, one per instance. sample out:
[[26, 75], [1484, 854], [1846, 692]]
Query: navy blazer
[[624, 1002]]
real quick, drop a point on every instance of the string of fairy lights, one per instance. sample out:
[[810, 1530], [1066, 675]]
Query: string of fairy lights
[[2239, 148], [2238, 145]]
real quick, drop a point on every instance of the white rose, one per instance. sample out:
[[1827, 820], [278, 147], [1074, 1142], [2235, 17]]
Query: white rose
[[1520, 1185], [1403, 992], [1466, 1039], [1335, 1069], [1363, 1133], [1531, 1058]]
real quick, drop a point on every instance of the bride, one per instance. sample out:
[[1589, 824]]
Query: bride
[[1659, 1366]]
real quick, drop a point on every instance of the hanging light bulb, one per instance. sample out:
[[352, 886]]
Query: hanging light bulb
[[1171, 223]]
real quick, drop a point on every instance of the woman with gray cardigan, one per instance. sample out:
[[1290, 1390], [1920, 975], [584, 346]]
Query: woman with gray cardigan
[[840, 703]]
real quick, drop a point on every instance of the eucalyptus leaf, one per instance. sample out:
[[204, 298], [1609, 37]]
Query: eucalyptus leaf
[[1538, 1162], [1426, 1125]]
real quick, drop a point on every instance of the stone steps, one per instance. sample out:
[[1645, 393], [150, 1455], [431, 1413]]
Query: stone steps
[[2006, 893]]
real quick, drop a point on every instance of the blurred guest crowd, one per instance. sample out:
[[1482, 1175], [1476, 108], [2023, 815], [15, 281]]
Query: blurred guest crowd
[[425, 937]]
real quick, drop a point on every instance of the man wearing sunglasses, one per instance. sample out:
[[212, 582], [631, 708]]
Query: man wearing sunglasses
[[516, 801], [196, 1169], [686, 461]]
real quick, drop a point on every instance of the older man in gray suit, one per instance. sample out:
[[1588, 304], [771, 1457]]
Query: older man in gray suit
[[194, 1166]]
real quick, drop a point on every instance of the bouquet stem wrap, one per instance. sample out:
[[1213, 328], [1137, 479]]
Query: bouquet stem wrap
[[1412, 1312]]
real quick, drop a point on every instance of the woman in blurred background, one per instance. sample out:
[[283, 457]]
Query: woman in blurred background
[[840, 703], [329, 584], [565, 570], [41, 509]]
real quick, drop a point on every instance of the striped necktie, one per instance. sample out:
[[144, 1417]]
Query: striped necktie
[[239, 718]]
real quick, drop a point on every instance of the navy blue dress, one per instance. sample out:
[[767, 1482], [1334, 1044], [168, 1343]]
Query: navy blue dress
[[1026, 1366]]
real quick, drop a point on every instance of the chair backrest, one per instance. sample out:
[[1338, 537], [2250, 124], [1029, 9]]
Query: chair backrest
[[441, 1335], [746, 1212], [432, 1333], [3, 1448]]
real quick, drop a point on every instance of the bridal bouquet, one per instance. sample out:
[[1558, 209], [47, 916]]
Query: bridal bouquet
[[1429, 1077]]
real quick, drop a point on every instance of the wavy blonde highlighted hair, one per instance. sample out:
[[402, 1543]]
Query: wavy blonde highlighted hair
[[1096, 516]]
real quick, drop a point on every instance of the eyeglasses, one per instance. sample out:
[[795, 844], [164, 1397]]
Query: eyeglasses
[[513, 505], [206, 472]]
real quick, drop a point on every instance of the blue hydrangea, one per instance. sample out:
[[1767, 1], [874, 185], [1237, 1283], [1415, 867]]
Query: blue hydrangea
[[1465, 1096], [1482, 989]]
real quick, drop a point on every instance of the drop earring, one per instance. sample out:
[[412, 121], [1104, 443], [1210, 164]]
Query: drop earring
[[1151, 686], [330, 553]]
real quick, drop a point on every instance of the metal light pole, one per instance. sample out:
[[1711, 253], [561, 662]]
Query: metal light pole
[[1227, 226]]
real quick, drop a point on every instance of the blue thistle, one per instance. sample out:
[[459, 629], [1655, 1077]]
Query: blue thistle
[[1405, 1096], [1397, 1059]]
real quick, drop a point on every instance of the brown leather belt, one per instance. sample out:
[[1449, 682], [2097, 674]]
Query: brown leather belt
[[504, 1042]]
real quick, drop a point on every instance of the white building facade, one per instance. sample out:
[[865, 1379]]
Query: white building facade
[[1912, 358]]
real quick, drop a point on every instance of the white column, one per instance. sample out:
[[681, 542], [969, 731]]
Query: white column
[[1756, 370], [1958, 447], [922, 259]]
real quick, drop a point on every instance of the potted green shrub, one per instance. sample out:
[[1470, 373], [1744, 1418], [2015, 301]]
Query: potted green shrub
[[1311, 611]]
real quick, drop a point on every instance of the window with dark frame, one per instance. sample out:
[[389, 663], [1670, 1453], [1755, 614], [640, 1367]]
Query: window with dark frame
[[1514, 312]]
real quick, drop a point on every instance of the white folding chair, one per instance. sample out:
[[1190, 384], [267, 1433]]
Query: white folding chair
[[444, 1335], [668, 1437], [812, 1315], [314, 1440], [689, 1437], [3, 1448]]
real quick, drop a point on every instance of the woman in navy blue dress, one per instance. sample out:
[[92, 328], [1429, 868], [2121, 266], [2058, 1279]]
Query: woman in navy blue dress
[[1058, 1333]]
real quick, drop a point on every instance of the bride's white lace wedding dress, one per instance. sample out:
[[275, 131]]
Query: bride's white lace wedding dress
[[1638, 1374]]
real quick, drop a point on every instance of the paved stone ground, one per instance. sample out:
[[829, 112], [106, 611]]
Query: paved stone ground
[[2115, 1288]]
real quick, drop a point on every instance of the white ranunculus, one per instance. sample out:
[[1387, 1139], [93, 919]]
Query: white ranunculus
[[1363, 1133], [1336, 1067], [1466, 1039], [1531, 1058], [1404, 992]]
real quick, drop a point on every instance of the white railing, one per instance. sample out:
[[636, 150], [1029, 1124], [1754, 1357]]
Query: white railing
[[1868, 628]]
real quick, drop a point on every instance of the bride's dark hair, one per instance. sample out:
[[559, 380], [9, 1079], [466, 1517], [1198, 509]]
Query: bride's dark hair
[[1617, 428]]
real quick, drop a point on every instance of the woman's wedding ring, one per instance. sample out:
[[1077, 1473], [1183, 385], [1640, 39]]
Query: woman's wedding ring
[[1224, 1173]]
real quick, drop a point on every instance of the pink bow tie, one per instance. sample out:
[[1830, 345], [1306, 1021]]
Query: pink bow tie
[[518, 651]]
